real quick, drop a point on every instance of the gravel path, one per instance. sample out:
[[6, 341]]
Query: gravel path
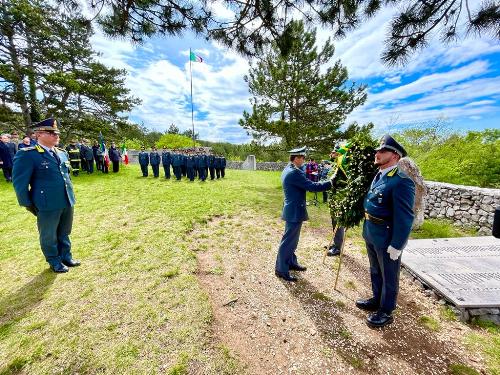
[[275, 327]]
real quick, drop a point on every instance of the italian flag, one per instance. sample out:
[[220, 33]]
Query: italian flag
[[194, 57], [124, 154]]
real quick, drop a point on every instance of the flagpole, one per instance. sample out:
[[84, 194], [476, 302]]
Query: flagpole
[[192, 111]]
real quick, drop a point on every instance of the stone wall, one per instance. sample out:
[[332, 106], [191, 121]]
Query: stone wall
[[264, 166], [465, 205]]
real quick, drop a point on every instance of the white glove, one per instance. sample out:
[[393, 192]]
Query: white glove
[[394, 253], [333, 176]]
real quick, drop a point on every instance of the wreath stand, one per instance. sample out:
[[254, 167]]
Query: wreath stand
[[340, 256]]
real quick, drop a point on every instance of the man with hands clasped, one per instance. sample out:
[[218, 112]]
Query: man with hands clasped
[[388, 221]]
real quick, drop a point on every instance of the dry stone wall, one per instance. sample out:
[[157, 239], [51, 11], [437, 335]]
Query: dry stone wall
[[464, 205]]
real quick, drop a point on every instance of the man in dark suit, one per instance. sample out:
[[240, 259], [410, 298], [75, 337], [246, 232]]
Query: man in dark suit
[[388, 220], [43, 185], [295, 184], [5, 157]]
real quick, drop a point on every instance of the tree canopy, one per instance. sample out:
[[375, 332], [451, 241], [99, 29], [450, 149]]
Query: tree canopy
[[48, 68], [294, 100], [255, 23]]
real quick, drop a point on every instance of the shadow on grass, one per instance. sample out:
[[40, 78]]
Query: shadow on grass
[[418, 347], [15, 306]]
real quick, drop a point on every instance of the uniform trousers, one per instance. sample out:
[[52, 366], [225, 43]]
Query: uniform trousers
[[222, 172], [177, 172], [217, 172], [202, 174], [286, 252], [339, 235], [54, 227], [156, 170], [190, 173], [166, 169], [212, 172], [384, 272], [144, 169], [116, 166], [7, 173]]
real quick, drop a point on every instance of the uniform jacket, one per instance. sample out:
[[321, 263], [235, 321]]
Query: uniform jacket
[[40, 180], [211, 161], [217, 163], [114, 154], [12, 149], [203, 163], [143, 158], [391, 198], [295, 184], [223, 162], [5, 156], [190, 161], [154, 158], [86, 153], [166, 159], [176, 160]]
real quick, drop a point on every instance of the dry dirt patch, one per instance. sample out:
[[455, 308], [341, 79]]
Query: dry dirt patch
[[275, 327]]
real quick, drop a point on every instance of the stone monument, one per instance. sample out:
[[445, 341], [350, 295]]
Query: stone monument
[[249, 164]]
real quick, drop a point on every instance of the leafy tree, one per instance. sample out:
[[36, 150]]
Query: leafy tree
[[46, 50], [189, 133], [465, 159], [173, 129], [173, 141], [257, 23], [294, 100], [133, 144]]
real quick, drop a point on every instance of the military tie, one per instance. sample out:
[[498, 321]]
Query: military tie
[[56, 156], [377, 177]]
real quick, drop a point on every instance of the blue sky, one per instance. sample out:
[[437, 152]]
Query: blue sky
[[458, 83]]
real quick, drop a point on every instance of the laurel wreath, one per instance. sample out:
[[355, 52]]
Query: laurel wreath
[[348, 192]]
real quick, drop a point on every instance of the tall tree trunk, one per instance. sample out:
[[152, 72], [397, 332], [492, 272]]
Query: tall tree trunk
[[19, 91], [35, 112]]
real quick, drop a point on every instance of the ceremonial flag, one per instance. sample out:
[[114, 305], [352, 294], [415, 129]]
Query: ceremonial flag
[[194, 57], [104, 150], [124, 153]]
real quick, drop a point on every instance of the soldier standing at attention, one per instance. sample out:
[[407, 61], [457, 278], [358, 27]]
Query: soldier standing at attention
[[74, 157], [155, 159], [190, 163], [176, 165], [211, 165], [43, 185], [222, 166], [295, 184], [388, 220], [144, 161], [183, 163], [217, 164], [166, 160], [202, 166]]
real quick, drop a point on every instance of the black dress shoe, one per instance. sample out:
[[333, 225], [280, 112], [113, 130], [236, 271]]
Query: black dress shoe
[[71, 263], [298, 267], [286, 277], [367, 304], [59, 268], [333, 251], [379, 319]]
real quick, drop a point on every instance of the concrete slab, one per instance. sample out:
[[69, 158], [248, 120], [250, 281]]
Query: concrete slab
[[465, 271]]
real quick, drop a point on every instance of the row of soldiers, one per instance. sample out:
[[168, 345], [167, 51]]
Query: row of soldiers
[[190, 163]]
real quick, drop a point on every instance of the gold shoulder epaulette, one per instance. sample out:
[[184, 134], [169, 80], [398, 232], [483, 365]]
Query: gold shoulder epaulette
[[39, 148], [392, 172]]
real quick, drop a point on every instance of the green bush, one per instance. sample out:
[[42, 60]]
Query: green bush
[[465, 159]]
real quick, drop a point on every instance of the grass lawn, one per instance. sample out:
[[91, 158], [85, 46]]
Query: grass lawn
[[135, 304]]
